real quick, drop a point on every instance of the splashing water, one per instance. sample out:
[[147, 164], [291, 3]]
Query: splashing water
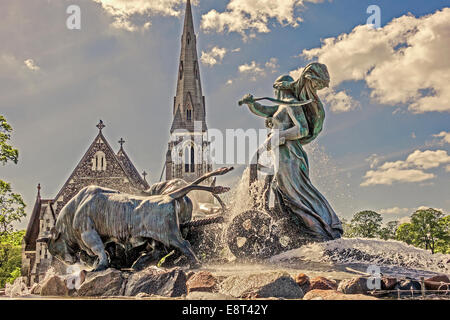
[[393, 254], [325, 175], [17, 289]]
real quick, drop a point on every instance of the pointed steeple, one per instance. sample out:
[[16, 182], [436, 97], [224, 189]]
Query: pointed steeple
[[189, 101], [188, 20]]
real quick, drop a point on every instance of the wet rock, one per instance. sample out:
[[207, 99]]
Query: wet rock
[[54, 286], [157, 281], [262, 285], [317, 294], [432, 285], [439, 278], [388, 283], [357, 285], [322, 283], [197, 295], [36, 289], [105, 283], [440, 282], [303, 281], [202, 281], [408, 284]]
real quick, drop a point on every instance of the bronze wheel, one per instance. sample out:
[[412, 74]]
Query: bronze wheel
[[249, 233]]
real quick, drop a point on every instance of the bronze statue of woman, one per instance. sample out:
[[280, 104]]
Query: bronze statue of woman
[[296, 121]]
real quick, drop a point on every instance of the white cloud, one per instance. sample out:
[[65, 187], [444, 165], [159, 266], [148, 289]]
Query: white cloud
[[394, 211], [389, 176], [30, 64], [338, 101], [428, 159], [404, 62], [444, 135], [254, 16], [123, 11], [373, 160], [255, 70], [410, 170], [214, 56]]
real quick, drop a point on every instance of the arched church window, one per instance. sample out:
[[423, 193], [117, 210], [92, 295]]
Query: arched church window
[[189, 158], [196, 73], [188, 38], [189, 113], [99, 161], [186, 159], [192, 159], [181, 70]]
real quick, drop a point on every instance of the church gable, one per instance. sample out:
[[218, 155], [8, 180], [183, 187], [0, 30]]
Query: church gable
[[130, 168], [99, 166]]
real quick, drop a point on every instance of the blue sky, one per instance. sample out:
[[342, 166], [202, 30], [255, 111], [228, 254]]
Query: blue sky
[[385, 144]]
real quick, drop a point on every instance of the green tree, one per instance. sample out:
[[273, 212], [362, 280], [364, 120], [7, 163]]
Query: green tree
[[7, 152], [388, 232], [366, 224], [443, 242], [12, 209], [429, 229], [348, 232], [10, 256], [12, 206], [405, 233]]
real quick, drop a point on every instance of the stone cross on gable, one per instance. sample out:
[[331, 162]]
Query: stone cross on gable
[[100, 125], [121, 142], [144, 174]]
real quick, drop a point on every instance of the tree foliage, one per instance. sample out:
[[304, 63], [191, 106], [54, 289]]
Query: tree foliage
[[365, 224], [10, 257], [7, 152], [428, 229], [12, 209], [389, 231]]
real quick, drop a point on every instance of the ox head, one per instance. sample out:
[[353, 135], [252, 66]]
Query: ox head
[[185, 209], [58, 247]]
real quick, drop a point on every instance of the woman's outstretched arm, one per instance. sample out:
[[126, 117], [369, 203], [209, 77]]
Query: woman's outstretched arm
[[259, 109]]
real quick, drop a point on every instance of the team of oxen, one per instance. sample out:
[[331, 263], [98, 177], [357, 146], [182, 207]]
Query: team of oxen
[[98, 216]]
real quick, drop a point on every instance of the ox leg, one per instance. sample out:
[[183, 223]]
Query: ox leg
[[93, 241], [185, 247]]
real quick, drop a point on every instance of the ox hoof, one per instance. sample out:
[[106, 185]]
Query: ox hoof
[[100, 268]]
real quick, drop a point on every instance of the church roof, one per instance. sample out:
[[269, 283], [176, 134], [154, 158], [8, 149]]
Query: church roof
[[33, 226], [131, 169], [123, 163]]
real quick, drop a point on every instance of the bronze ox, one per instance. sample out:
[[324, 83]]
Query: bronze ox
[[97, 215]]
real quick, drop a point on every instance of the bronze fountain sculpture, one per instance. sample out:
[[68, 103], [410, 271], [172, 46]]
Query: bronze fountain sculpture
[[103, 227], [301, 213]]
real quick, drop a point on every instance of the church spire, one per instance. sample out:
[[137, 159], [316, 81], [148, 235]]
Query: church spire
[[189, 103], [188, 20]]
